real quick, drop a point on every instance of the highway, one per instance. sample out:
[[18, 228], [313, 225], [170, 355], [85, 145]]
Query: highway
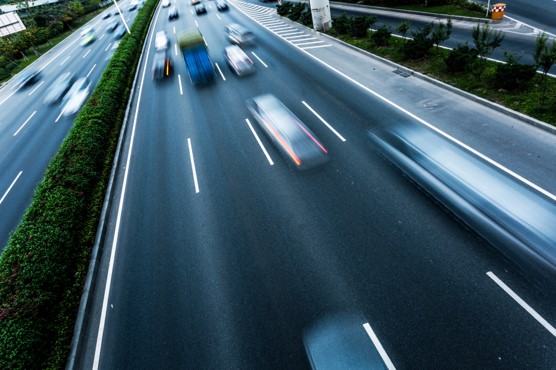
[[31, 131], [221, 255]]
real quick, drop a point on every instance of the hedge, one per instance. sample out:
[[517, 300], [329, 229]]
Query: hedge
[[44, 265]]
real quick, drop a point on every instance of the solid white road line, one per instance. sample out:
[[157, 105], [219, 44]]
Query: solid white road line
[[316, 46], [11, 186], [418, 119], [176, 49], [260, 142], [522, 303], [24, 123], [193, 165], [260, 60], [100, 334], [379, 347], [323, 121]]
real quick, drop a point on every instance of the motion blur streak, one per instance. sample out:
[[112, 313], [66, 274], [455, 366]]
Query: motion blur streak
[[514, 217], [312, 137], [284, 144], [340, 341]]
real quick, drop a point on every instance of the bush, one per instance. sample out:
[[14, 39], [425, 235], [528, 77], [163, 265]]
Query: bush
[[513, 75], [296, 11], [284, 8], [381, 37], [461, 58], [43, 268], [360, 25], [306, 18], [420, 46], [342, 24]]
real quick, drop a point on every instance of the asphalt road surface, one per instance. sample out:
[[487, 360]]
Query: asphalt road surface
[[221, 255]]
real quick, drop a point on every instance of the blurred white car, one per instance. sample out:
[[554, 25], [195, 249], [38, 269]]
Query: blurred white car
[[161, 40], [87, 37], [295, 140], [59, 87], [76, 96], [238, 61]]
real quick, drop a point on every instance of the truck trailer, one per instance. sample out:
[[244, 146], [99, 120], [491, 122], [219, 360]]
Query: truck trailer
[[195, 53]]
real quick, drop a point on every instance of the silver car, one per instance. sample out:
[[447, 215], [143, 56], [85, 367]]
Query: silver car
[[76, 96], [295, 140], [238, 61]]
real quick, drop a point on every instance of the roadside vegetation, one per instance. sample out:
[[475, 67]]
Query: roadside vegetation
[[46, 26], [512, 84], [44, 266]]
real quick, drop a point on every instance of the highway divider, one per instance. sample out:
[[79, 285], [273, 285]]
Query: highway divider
[[44, 266]]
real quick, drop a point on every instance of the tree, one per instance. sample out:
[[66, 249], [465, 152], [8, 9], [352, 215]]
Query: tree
[[441, 33], [485, 40], [360, 25], [403, 28], [420, 45], [545, 58]]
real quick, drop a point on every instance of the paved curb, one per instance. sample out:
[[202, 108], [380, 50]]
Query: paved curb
[[416, 12], [510, 112]]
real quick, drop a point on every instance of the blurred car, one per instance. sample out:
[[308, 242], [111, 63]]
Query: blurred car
[[238, 35], [238, 61], [76, 96], [88, 38], [162, 65], [221, 5], [295, 140], [107, 15], [173, 13], [165, 3], [59, 88], [86, 31], [195, 2], [161, 40], [29, 78], [132, 6], [112, 26], [119, 32], [200, 9]]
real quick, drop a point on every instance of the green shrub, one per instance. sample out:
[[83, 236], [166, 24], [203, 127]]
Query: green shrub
[[420, 46], [342, 24], [381, 37], [284, 8], [513, 75], [296, 11], [44, 265], [360, 26], [461, 58]]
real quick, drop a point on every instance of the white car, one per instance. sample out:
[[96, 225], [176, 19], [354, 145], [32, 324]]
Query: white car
[[161, 40], [76, 96]]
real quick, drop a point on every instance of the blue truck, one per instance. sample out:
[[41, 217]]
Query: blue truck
[[195, 52]]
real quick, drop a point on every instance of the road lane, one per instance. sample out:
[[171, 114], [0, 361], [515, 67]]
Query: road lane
[[233, 275]]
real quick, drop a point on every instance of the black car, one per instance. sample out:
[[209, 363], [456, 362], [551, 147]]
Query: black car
[[222, 6], [200, 9], [112, 26], [173, 13], [29, 78], [120, 32], [162, 65]]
